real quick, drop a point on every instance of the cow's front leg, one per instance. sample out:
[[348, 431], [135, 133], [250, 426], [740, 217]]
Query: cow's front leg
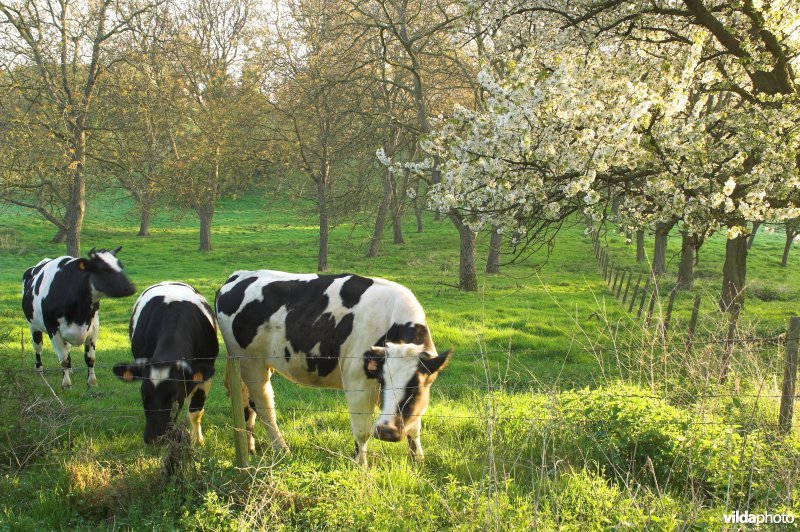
[[36, 336], [263, 397], [89, 349], [414, 443], [61, 347], [361, 404], [197, 401]]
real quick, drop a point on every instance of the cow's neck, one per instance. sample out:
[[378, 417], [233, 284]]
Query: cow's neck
[[174, 347]]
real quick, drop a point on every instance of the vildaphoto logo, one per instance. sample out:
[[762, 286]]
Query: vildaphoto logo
[[746, 518]]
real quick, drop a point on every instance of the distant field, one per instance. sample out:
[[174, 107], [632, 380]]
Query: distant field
[[509, 441]]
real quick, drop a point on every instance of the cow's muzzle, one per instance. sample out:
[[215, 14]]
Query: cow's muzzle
[[388, 433]]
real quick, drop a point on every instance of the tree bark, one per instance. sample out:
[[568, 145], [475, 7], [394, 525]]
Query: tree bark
[[206, 214], [380, 217], [756, 225], [144, 222], [59, 237], [322, 205], [495, 245], [640, 256], [660, 248], [418, 208], [467, 273], [734, 275], [791, 232], [615, 204], [686, 266]]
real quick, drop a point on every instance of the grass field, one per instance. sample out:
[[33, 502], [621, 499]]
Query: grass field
[[558, 409]]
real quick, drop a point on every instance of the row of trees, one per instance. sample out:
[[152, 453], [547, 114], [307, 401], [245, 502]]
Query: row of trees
[[646, 115], [186, 103], [510, 116]]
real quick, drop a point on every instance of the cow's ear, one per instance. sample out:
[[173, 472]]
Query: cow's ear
[[433, 364], [128, 372], [373, 362], [116, 250], [85, 265]]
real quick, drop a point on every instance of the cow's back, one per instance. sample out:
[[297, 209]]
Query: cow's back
[[314, 328], [174, 317]]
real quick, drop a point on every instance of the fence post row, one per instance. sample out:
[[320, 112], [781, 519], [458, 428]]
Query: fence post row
[[622, 281], [789, 376]]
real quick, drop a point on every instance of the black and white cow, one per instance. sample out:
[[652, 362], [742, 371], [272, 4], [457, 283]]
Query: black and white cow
[[61, 297], [174, 343], [362, 335]]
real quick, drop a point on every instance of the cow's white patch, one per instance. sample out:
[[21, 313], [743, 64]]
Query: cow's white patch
[[171, 291], [73, 333], [159, 375], [109, 259], [402, 362]]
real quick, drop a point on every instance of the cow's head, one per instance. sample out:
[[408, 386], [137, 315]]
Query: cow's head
[[106, 271], [164, 387], [406, 372]]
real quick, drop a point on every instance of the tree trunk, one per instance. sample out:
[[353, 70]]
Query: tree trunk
[[495, 245], [733, 275], [77, 194], [380, 218], [206, 214], [686, 267], [59, 237], [418, 208], [756, 225], [660, 248], [397, 227], [615, 204], [144, 222], [322, 204], [640, 246], [467, 273], [791, 232]]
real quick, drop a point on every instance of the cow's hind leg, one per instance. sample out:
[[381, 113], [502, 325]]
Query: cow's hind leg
[[61, 347], [361, 404], [36, 336], [197, 401], [89, 349], [249, 419], [414, 443], [263, 397]]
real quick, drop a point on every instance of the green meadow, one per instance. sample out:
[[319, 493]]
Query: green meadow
[[559, 408]]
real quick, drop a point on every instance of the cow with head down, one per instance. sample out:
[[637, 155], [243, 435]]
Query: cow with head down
[[366, 336], [61, 297], [174, 344]]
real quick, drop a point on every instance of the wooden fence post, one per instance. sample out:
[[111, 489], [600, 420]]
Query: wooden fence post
[[614, 284], [789, 376], [644, 294], [237, 404], [622, 281], [668, 315], [635, 293], [693, 323]]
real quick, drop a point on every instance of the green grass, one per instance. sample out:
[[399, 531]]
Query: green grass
[[507, 442]]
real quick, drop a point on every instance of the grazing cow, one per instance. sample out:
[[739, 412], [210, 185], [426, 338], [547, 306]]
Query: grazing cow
[[61, 297], [174, 343], [365, 336]]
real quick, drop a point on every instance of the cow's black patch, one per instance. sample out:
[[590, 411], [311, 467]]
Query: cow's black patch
[[27, 300], [38, 285], [410, 392], [37, 337], [307, 323], [353, 289], [407, 333], [229, 302], [286, 354], [63, 262]]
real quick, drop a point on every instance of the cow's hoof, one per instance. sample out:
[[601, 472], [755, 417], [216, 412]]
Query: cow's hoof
[[40, 370], [91, 382]]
